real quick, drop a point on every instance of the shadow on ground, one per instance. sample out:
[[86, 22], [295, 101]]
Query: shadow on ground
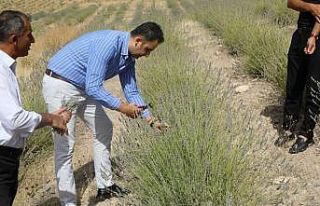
[[83, 176], [54, 201], [275, 113]]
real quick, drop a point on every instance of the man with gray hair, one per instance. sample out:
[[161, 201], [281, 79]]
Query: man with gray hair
[[16, 124]]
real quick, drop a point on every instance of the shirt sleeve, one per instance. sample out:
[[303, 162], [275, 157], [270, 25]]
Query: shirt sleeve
[[13, 117], [101, 53], [130, 89]]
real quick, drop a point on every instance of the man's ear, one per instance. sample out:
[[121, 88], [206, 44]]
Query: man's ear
[[138, 40], [13, 38]]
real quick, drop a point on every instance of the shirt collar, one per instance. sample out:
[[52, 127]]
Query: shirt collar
[[125, 45], [8, 61]]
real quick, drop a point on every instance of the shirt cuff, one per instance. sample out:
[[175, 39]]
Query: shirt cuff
[[146, 113], [35, 120], [116, 104]]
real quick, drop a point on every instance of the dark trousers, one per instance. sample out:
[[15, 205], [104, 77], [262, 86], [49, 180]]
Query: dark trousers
[[303, 74], [9, 165]]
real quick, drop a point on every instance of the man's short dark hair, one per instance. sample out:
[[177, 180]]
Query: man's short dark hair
[[151, 31], [12, 22]]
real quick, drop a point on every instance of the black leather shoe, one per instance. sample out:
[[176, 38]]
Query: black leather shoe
[[285, 137], [301, 144], [102, 195], [112, 191]]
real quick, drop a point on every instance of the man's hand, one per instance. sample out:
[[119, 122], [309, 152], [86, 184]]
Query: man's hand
[[59, 124], [64, 113], [131, 110], [311, 45], [157, 124], [58, 120]]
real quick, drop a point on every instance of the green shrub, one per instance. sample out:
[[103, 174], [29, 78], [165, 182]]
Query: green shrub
[[80, 15], [202, 159], [40, 142], [186, 4], [57, 16], [102, 19], [38, 15], [174, 7], [262, 45], [138, 15], [72, 14], [119, 15], [277, 11]]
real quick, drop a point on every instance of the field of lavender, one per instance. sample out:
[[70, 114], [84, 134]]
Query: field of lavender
[[210, 153]]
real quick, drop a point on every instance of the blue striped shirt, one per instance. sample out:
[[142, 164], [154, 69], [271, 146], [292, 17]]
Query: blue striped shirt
[[95, 57]]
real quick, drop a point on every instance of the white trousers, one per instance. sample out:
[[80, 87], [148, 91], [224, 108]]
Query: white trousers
[[56, 92]]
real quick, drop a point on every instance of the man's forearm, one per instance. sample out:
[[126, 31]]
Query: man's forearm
[[299, 5], [46, 120], [316, 30]]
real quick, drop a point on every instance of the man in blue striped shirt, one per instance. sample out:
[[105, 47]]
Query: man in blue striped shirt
[[76, 73]]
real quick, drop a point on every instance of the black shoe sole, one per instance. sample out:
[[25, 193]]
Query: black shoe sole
[[297, 149]]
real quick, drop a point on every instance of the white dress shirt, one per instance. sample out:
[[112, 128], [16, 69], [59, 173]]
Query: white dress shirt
[[16, 124]]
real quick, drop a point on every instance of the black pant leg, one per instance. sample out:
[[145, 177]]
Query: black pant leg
[[8, 179], [312, 108], [296, 79]]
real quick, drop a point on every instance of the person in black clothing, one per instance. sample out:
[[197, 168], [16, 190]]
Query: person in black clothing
[[303, 74]]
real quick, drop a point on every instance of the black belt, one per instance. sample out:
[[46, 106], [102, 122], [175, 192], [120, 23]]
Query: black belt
[[10, 152], [57, 76]]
